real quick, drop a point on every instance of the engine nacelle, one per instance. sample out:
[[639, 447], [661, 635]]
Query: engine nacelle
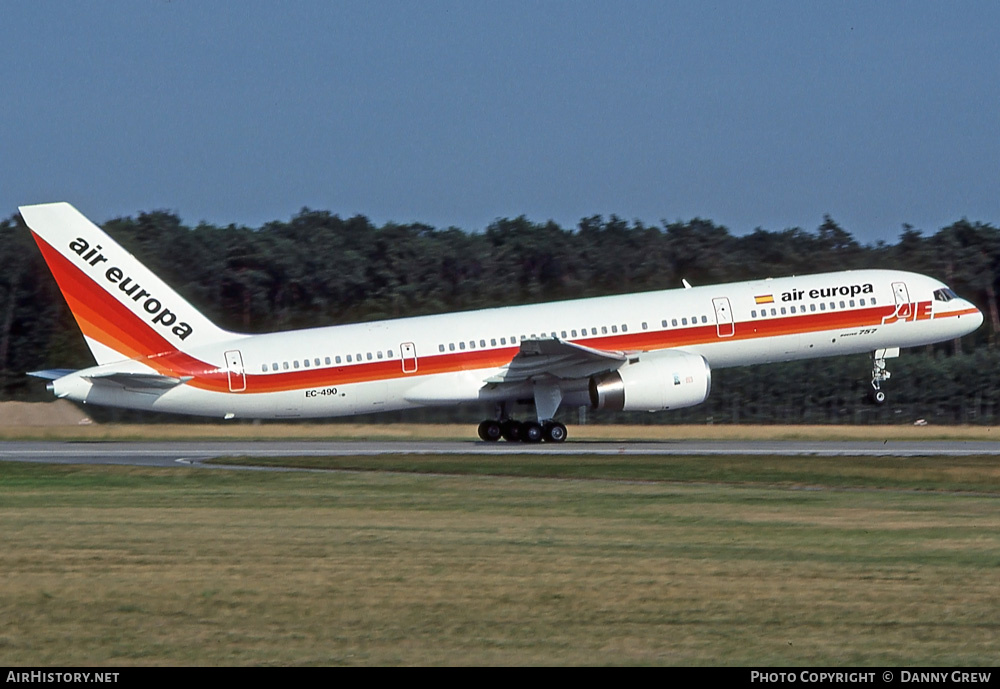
[[666, 380]]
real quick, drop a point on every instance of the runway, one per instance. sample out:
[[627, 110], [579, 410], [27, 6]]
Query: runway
[[195, 453]]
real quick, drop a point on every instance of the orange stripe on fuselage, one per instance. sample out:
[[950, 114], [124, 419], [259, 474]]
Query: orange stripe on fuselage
[[630, 342]]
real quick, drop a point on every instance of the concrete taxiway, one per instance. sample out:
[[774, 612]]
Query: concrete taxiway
[[195, 452]]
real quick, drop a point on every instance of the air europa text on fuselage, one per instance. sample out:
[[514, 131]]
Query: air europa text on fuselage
[[824, 292], [151, 305]]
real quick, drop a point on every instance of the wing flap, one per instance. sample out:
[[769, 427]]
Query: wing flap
[[51, 373], [559, 359]]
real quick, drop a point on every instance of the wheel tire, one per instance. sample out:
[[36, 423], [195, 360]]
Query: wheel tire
[[489, 430], [878, 397], [532, 433], [555, 432], [511, 430]]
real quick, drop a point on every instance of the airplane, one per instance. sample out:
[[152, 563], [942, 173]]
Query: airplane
[[646, 351]]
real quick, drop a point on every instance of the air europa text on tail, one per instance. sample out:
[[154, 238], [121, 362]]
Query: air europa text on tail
[[150, 304]]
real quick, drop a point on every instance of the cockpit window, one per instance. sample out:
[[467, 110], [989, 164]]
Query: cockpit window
[[944, 294]]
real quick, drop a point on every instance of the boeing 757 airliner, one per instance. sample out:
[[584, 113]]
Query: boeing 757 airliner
[[648, 351]]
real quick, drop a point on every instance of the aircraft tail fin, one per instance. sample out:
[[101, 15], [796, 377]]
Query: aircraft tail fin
[[123, 309]]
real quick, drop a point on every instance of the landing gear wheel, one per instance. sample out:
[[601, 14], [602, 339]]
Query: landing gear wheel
[[877, 397], [533, 432], [489, 430], [554, 432], [511, 430]]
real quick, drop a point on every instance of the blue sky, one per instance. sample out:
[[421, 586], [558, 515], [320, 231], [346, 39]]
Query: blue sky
[[752, 114]]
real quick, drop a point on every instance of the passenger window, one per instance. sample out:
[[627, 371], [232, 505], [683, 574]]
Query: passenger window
[[673, 322], [274, 366], [263, 368], [664, 323], [440, 347], [753, 314], [625, 327], [793, 309], [684, 321], [337, 359], [306, 363], [378, 354], [461, 345], [349, 359], [704, 319], [614, 328], [451, 346], [328, 361], [295, 364]]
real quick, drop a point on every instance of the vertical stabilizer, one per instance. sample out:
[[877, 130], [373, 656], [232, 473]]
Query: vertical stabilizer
[[123, 309]]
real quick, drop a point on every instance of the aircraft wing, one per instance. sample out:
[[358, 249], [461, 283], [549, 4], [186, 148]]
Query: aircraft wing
[[139, 381], [559, 359]]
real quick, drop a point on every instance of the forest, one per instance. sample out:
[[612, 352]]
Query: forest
[[320, 269]]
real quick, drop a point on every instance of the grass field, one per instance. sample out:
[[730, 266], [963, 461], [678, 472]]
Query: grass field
[[516, 560]]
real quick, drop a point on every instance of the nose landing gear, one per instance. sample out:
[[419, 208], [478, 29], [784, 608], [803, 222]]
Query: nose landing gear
[[880, 374]]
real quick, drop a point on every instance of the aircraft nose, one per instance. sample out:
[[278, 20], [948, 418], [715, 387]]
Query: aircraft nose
[[971, 319]]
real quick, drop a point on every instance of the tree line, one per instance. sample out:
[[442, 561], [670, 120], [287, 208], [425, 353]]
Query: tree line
[[320, 269]]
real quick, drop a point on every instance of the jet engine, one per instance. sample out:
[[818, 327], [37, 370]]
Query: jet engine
[[665, 380]]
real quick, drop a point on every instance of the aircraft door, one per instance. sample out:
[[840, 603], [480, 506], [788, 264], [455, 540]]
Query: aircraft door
[[902, 297], [234, 367], [723, 317], [409, 352], [900, 293]]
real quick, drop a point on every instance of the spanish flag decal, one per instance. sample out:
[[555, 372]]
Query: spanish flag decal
[[764, 299]]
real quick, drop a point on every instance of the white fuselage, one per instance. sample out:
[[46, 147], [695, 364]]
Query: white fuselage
[[448, 358]]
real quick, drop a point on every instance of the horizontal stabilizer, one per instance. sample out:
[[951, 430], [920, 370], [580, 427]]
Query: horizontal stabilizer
[[139, 380], [557, 358]]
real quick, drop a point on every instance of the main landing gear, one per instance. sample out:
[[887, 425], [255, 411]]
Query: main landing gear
[[491, 430], [880, 374], [524, 431]]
